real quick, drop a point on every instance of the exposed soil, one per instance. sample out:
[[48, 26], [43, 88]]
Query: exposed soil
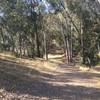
[[23, 79]]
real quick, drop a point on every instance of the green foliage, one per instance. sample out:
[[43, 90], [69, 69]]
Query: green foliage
[[22, 29]]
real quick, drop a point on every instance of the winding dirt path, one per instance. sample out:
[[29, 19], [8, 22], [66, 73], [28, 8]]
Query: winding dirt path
[[59, 81]]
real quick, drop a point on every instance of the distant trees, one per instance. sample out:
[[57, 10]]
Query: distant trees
[[85, 12], [82, 16]]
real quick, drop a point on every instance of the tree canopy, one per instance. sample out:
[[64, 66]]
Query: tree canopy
[[30, 27]]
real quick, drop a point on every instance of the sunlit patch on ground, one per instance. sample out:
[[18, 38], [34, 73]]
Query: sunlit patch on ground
[[38, 79]]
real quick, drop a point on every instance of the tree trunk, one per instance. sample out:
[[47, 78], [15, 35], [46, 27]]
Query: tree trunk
[[3, 40], [13, 45], [37, 37], [37, 44], [65, 43], [71, 47], [68, 49], [20, 45], [45, 47]]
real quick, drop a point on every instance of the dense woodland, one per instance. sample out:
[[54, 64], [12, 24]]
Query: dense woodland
[[49, 49], [33, 28]]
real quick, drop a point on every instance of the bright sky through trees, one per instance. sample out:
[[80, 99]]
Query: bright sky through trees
[[48, 7]]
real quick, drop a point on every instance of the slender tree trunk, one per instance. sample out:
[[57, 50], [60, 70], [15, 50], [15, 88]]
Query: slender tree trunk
[[83, 48], [68, 49], [3, 39], [33, 47], [45, 47], [37, 44], [13, 45], [37, 38], [82, 41], [98, 47], [71, 47], [44, 39], [20, 45]]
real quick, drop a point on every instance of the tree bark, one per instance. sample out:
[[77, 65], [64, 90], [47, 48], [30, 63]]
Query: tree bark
[[45, 47]]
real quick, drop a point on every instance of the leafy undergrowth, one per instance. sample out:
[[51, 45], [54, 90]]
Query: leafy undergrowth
[[37, 79]]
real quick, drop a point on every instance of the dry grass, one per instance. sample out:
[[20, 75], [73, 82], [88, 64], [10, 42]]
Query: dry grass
[[37, 63]]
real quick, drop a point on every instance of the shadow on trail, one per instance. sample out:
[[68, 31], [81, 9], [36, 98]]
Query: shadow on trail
[[14, 78]]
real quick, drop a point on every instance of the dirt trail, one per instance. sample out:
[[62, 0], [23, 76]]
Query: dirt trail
[[55, 80]]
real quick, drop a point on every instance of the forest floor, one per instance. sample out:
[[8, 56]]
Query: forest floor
[[37, 79]]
